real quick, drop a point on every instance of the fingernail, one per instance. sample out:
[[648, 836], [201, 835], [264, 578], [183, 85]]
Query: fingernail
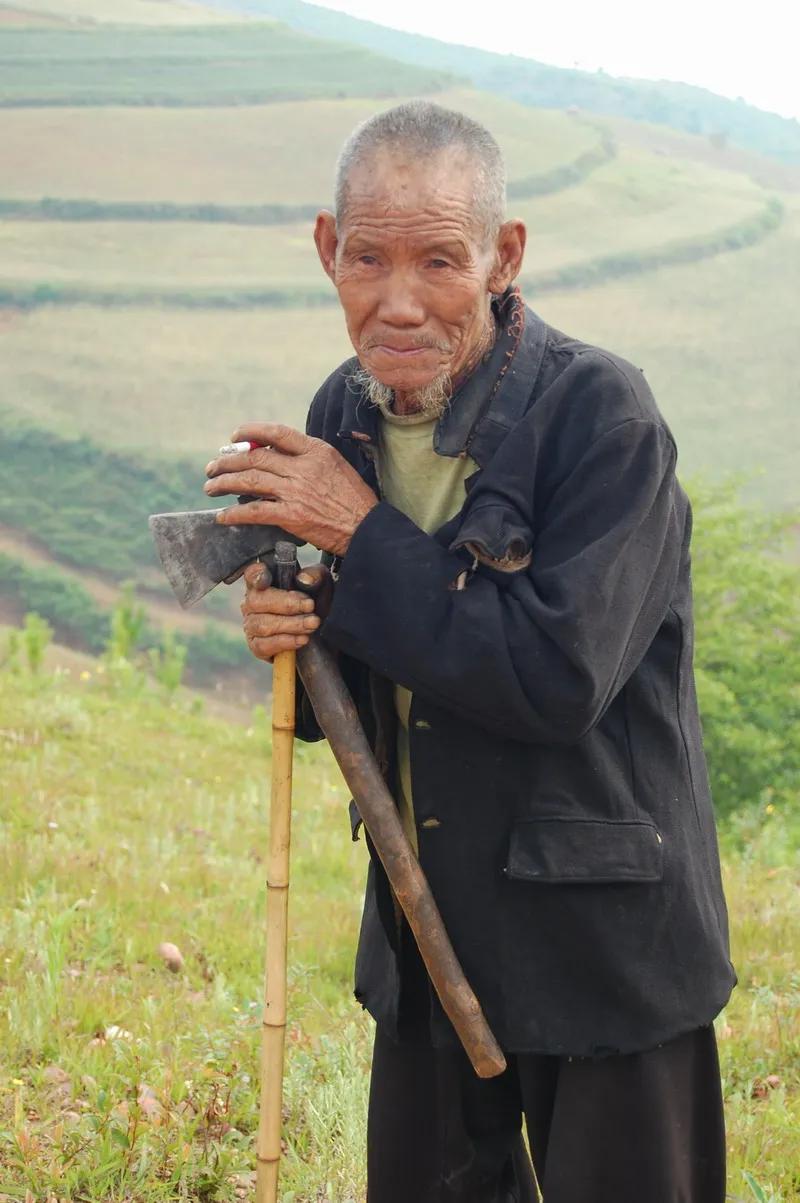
[[311, 623], [307, 605], [302, 640]]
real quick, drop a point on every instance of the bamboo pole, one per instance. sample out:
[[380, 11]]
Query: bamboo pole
[[273, 1029]]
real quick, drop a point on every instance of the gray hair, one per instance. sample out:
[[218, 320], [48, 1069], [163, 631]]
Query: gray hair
[[425, 130]]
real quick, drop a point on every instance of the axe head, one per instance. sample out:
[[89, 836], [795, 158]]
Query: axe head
[[197, 553]]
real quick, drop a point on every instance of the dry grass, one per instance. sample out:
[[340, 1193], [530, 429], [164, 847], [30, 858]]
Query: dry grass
[[169, 382], [717, 342], [277, 154], [636, 202]]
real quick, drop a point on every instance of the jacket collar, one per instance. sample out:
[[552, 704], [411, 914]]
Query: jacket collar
[[489, 402]]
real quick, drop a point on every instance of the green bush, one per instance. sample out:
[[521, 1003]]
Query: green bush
[[747, 612], [216, 651], [103, 499], [73, 614], [36, 636], [168, 661]]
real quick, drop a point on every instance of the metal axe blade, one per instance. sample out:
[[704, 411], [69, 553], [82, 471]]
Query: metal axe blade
[[197, 553]]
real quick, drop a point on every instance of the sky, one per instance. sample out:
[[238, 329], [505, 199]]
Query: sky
[[736, 48]]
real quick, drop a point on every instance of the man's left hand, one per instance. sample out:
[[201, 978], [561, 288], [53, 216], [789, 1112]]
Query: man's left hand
[[305, 486]]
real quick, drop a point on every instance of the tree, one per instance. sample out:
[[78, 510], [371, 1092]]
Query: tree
[[747, 648]]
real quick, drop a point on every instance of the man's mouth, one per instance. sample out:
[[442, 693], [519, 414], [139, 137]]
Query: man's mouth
[[401, 352]]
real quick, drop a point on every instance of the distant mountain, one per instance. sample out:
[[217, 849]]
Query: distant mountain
[[680, 106]]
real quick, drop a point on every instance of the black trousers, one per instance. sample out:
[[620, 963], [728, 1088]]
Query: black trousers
[[641, 1128]]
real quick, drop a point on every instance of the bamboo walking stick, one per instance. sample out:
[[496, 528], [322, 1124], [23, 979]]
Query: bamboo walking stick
[[273, 1029]]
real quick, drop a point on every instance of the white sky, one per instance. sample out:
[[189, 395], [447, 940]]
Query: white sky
[[747, 48]]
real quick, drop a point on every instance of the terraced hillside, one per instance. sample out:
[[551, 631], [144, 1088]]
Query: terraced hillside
[[194, 65], [56, 13], [158, 281]]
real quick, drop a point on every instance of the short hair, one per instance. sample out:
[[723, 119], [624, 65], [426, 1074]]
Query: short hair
[[426, 129]]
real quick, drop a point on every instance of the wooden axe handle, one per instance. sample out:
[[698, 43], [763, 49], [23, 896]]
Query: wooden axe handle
[[337, 716]]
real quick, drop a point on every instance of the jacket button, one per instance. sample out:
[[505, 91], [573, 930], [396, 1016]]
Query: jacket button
[[422, 724], [432, 822]]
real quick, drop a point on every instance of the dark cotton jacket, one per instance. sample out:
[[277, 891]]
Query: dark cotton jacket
[[561, 797]]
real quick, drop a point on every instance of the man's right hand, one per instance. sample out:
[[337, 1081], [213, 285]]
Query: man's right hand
[[281, 620]]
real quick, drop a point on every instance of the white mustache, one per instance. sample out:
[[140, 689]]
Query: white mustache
[[416, 343]]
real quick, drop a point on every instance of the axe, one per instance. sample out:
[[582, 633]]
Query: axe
[[197, 554]]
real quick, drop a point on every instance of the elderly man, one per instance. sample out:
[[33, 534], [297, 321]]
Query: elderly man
[[510, 551]]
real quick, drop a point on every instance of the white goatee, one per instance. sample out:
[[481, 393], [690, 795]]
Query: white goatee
[[432, 400]]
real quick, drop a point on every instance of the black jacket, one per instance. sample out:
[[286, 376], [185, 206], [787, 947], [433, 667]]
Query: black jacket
[[560, 790]]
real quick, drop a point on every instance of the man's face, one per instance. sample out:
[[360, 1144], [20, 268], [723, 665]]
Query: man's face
[[412, 268]]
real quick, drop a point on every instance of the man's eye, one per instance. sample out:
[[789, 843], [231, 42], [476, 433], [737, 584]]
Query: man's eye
[[438, 263], [369, 260]]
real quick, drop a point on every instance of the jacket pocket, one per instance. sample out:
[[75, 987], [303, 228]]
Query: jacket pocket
[[553, 849]]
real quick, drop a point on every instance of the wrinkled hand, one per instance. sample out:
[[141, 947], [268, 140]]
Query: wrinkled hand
[[281, 620], [304, 485]]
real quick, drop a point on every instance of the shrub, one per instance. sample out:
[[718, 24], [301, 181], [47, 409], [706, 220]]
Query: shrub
[[747, 612]]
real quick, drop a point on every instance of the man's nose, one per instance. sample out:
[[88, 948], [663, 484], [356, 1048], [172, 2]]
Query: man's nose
[[400, 303]]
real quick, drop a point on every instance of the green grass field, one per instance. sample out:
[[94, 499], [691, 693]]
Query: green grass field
[[118, 12], [122, 1081], [226, 64]]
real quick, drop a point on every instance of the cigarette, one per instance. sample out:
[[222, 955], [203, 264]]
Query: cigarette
[[238, 448]]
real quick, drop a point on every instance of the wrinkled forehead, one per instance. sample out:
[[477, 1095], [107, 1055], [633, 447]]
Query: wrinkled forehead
[[393, 183]]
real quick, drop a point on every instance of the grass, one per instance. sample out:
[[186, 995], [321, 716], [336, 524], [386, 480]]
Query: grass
[[282, 153], [636, 202], [167, 382], [714, 340], [203, 65], [122, 12], [128, 821]]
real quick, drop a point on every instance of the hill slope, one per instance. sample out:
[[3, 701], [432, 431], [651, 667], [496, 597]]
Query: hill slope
[[682, 106], [129, 820], [237, 64], [189, 228]]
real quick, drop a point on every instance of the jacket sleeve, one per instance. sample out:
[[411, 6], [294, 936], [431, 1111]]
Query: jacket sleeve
[[540, 654]]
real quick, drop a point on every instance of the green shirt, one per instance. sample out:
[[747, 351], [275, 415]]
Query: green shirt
[[429, 489]]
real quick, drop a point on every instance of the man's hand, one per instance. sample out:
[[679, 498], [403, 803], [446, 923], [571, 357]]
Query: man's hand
[[282, 620], [307, 487]]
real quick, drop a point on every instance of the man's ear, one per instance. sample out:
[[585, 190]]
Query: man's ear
[[326, 241], [508, 255]]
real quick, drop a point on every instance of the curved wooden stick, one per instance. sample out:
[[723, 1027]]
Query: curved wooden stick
[[337, 716]]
